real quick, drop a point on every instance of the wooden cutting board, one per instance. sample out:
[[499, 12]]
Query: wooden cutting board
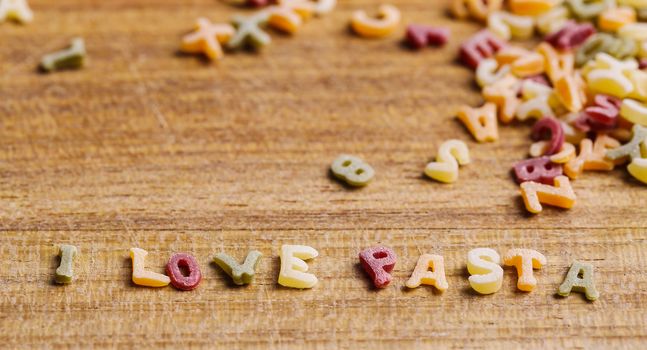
[[153, 149]]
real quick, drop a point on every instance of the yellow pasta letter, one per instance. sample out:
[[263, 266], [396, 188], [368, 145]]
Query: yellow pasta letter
[[487, 274], [143, 277], [293, 267], [445, 168]]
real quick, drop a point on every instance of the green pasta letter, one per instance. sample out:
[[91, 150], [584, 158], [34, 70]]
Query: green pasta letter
[[70, 58], [240, 274], [579, 279], [65, 270]]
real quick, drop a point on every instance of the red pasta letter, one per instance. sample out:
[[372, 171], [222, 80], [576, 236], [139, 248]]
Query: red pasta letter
[[479, 47], [378, 262], [178, 279], [553, 128], [571, 35], [603, 116], [419, 36], [537, 170]]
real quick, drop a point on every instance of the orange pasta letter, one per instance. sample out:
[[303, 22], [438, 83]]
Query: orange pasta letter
[[423, 275], [525, 260], [481, 122], [561, 195]]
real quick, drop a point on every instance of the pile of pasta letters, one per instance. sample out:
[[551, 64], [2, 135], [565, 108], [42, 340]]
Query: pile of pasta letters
[[584, 85]]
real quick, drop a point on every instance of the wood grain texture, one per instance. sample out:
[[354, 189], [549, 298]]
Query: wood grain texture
[[149, 148]]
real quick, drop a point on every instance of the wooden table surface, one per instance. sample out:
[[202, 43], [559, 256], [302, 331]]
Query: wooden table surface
[[149, 148]]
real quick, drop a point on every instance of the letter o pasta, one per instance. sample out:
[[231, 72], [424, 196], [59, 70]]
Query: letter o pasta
[[385, 24]]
